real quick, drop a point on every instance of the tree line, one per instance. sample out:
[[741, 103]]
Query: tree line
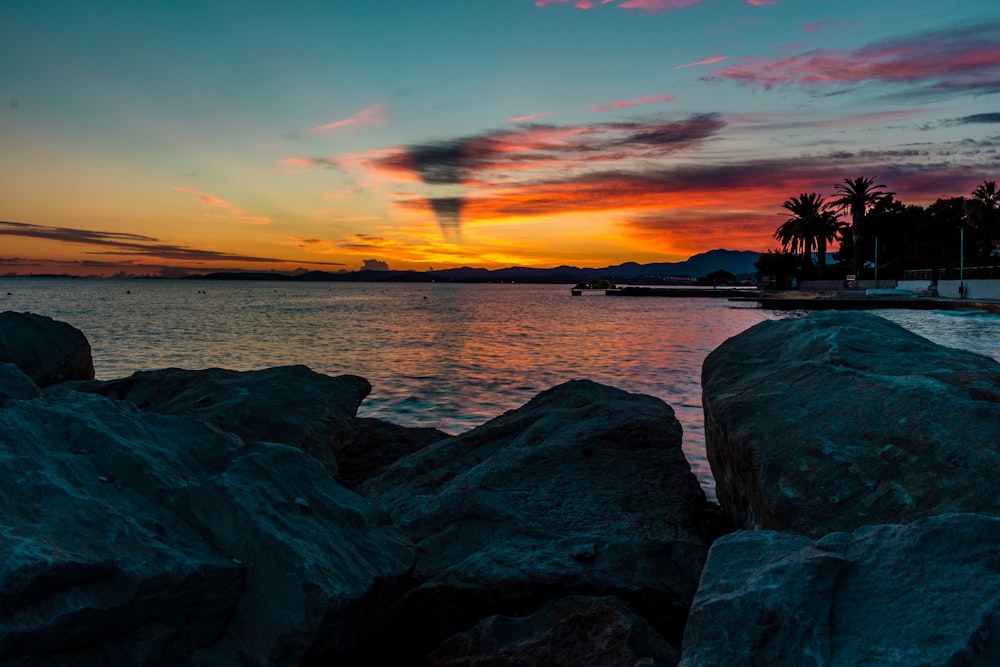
[[882, 233]]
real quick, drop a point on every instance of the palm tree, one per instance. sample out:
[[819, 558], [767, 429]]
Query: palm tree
[[812, 224], [984, 211], [857, 197]]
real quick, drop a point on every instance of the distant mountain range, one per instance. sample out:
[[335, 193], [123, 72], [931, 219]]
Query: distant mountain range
[[734, 261]]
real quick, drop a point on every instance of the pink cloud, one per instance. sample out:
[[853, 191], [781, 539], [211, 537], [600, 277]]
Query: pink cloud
[[706, 61], [816, 27], [527, 117], [657, 6], [648, 6], [760, 3], [634, 102], [963, 59], [373, 115]]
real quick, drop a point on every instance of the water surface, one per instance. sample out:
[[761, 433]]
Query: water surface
[[450, 356]]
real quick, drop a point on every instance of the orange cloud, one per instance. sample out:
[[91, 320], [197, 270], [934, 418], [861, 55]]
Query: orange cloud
[[218, 202], [634, 102]]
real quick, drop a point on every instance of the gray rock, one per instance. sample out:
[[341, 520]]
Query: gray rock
[[15, 384], [584, 490], [926, 593], [288, 404], [375, 444], [46, 350], [842, 419], [131, 537], [597, 632]]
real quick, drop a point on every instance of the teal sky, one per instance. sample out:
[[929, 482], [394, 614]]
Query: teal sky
[[189, 136]]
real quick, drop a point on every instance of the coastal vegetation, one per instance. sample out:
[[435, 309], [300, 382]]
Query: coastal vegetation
[[877, 232]]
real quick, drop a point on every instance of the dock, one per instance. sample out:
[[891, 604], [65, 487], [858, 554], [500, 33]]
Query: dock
[[813, 300]]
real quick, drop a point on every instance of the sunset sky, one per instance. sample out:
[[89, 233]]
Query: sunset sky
[[159, 137]]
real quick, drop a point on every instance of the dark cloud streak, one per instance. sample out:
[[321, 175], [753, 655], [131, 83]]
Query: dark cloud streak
[[124, 244]]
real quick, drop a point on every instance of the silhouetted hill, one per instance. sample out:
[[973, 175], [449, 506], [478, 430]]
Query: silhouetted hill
[[734, 261]]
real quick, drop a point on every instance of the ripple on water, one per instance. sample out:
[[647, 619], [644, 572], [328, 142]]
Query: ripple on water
[[441, 355]]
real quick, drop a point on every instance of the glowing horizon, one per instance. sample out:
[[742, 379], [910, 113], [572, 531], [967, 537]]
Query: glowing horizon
[[159, 140]]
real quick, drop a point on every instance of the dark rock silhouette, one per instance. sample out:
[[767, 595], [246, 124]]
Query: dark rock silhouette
[[15, 384], [919, 594], [843, 419], [574, 630], [46, 350], [375, 444], [131, 537], [289, 404], [584, 490]]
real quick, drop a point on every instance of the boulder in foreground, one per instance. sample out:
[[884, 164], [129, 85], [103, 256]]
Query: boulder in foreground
[[842, 419], [132, 537], [48, 351], [571, 631], [293, 405], [926, 593], [583, 491]]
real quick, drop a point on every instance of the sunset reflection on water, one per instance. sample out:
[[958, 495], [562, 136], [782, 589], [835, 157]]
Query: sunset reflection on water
[[450, 356]]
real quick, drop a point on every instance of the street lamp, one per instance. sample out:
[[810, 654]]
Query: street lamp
[[961, 260]]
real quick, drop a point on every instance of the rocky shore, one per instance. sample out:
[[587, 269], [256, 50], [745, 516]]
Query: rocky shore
[[215, 517]]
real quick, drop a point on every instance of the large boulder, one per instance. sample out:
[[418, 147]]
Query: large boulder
[[132, 537], [925, 593], [376, 444], [293, 405], [842, 419], [577, 630], [46, 350], [584, 490], [15, 384]]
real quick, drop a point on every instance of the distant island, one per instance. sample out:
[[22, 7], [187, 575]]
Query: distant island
[[736, 262]]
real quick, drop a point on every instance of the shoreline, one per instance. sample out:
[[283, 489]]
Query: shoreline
[[815, 300]]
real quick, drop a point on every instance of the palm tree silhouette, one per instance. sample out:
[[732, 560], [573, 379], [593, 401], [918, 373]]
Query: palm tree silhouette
[[984, 212], [812, 225], [857, 197]]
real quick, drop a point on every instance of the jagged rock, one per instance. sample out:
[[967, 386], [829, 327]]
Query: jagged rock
[[577, 630], [584, 490], [15, 384], [46, 350], [376, 444], [132, 537], [842, 419], [926, 593], [289, 404]]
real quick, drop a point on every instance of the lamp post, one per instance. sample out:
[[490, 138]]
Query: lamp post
[[876, 262], [961, 260]]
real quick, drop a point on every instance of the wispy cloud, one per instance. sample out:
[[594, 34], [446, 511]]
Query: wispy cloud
[[648, 6], [504, 159], [817, 26], [529, 117], [978, 118], [230, 210], [964, 59], [373, 115], [634, 102], [300, 164], [706, 61], [132, 245], [760, 3]]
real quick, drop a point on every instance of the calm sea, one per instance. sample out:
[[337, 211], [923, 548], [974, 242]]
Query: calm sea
[[443, 355]]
